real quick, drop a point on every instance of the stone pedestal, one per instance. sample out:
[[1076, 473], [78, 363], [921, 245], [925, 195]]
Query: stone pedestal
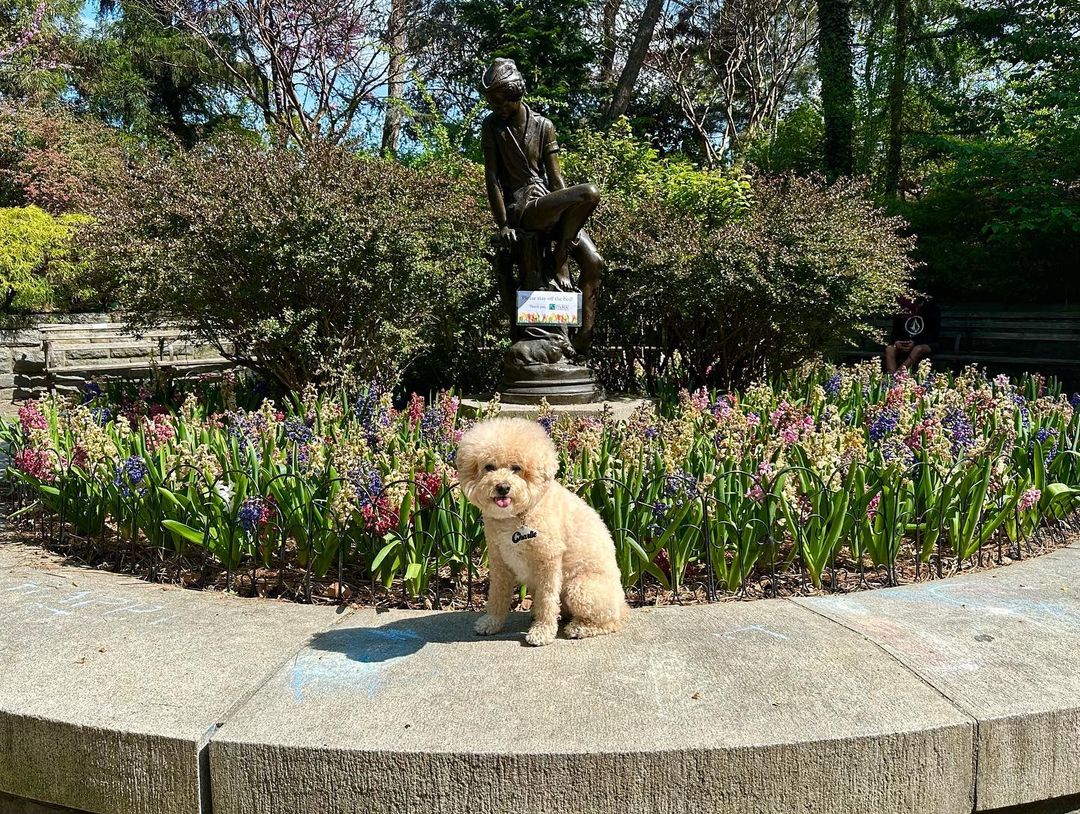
[[621, 407], [559, 383], [542, 362]]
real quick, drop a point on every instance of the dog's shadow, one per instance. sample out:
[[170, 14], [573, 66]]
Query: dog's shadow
[[404, 637]]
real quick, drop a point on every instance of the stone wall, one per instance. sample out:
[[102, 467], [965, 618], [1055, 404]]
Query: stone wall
[[62, 351]]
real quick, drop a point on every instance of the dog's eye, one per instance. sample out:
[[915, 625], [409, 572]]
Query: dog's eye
[[489, 468], [515, 469]]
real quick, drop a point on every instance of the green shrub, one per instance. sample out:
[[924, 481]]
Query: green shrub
[[630, 171], [797, 144], [311, 266], [55, 160], [37, 261], [801, 270]]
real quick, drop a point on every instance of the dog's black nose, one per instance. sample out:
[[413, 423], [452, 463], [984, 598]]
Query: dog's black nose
[[502, 489]]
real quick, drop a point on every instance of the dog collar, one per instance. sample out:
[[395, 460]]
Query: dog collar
[[522, 532]]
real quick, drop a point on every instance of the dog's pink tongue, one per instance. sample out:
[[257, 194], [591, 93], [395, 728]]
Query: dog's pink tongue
[[502, 502]]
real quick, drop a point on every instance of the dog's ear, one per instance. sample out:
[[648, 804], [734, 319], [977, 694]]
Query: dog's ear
[[465, 459], [549, 463]]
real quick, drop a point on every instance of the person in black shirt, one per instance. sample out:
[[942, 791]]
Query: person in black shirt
[[914, 335]]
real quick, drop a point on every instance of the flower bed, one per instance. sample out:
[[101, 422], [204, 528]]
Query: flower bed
[[835, 469]]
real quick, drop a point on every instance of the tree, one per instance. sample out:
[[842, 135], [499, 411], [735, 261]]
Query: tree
[[837, 84], [548, 39], [733, 64], [608, 39], [35, 41], [897, 86], [137, 70], [310, 67], [397, 43], [624, 90]]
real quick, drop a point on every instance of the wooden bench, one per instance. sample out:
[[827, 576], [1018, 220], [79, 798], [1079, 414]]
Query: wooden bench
[[1003, 340], [109, 349]]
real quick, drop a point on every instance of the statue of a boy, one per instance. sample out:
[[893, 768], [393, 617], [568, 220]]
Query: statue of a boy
[[527, 192]]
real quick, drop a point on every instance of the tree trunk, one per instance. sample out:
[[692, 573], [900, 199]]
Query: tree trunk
[[897, 86], [395, 82], [837, 84], [624, 91], [607, 36]]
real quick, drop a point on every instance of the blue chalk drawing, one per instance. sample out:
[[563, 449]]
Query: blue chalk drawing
[[352, 660]]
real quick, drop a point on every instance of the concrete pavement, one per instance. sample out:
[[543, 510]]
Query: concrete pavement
[[951, 696]]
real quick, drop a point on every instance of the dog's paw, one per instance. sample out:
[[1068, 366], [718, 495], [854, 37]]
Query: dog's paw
[[539, 635], [487, 625]]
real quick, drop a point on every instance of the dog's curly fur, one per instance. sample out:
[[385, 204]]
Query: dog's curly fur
[[507, 468]]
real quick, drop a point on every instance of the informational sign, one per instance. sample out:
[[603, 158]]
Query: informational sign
[[549, 308]]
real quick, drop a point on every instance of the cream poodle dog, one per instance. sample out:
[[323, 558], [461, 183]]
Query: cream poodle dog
[[539, 533]]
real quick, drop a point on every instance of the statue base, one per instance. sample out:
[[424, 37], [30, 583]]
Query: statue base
[[558, 382], [619, 408]]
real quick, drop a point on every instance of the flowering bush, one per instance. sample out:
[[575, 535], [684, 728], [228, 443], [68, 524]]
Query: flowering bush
[[831, 466], [309, 266], [55, 160]]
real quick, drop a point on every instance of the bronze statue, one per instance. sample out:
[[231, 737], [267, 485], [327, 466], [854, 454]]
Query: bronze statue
[[540, 222]]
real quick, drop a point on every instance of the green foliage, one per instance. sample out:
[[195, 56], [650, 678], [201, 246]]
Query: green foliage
[[989, 176], [629, 171], [801, 270], [546, 38], [308, 266], [37, 260], [796, 145]]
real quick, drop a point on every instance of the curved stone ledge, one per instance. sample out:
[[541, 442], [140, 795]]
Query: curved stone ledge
[[955, 696]]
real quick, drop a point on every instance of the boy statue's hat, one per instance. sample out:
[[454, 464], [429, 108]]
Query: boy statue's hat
[[502, 72]]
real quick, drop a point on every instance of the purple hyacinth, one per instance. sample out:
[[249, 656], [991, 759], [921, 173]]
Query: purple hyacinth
[[680, 485], [832, 386], [251, 514], [960, 430], [659, 512], [1041, 437], [894, 450], [368, 482], [431, 423], [885, 423], [132, 472], [91, 391], [298, 430], [1074, 401]]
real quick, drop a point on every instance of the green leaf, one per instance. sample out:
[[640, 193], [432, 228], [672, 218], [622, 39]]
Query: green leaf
[[183, 530]]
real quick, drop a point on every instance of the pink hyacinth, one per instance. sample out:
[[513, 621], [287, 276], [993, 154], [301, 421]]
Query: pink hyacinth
[[1029, 499], [37, 463], [378, 517], [872, 507], [699, 399], [159, 432], [427, 487], [752, 419], [777, 416], [415, 409], [31, 417]]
